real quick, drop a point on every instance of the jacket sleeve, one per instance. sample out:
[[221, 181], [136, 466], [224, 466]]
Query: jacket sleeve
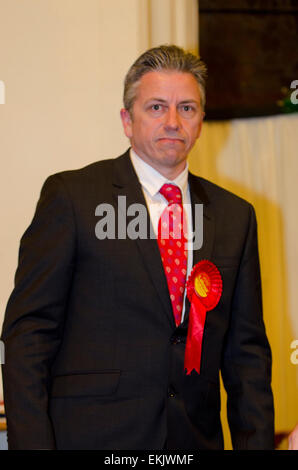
[[246, 367], [34, 317]]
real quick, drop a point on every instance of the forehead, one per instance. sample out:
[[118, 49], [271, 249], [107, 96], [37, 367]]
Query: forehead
[[168, 85]]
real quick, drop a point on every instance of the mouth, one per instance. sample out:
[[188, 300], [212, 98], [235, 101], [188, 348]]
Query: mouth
[[170, 140]]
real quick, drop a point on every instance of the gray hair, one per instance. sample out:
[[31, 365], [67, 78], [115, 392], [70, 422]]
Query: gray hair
[[165, 57]]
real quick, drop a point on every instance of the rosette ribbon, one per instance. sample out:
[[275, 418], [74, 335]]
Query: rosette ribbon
[[204, 288]]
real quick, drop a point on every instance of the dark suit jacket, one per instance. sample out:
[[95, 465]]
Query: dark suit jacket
[[93, 357]]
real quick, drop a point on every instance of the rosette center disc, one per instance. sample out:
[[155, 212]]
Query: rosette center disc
[[202, 284], [205, 283]]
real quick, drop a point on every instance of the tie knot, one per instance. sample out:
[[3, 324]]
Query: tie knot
[[172, 193]]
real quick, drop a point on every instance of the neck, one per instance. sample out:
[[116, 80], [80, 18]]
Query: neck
[[171, 173]]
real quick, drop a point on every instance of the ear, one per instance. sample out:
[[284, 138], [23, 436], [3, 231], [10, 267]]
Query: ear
[[126, 122]]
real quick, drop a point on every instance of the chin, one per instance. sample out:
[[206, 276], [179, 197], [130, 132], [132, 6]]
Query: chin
[[173, 158]]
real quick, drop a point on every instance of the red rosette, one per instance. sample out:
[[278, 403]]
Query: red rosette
[[204, 288], [205, 281]]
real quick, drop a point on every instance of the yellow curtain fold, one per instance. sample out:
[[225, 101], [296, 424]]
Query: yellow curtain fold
[[257, 160]]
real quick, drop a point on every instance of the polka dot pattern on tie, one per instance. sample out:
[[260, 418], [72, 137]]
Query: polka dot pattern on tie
[[171, 242]]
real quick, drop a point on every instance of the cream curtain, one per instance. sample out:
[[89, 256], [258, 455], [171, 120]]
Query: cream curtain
[[256, 159], [168, 21]]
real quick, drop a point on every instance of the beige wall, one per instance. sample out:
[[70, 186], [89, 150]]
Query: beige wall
[[63, 64]]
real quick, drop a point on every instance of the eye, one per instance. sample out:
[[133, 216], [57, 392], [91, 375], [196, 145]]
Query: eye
[[156, 109], [187, 110]]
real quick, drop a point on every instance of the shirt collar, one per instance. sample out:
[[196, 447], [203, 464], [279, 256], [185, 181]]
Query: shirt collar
[[152, 180]]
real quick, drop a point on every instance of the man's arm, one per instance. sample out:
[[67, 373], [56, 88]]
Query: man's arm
[[34, 317], [246, 367]]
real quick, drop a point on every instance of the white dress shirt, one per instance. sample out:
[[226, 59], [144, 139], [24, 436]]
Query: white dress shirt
[[151, 181]]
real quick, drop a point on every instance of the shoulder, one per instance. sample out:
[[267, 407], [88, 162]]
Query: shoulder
[[216, 195], [98, 173], [232, 213], [94, 170]]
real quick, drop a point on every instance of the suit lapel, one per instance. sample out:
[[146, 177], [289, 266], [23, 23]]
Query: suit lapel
[[198, 196], [125, 183]]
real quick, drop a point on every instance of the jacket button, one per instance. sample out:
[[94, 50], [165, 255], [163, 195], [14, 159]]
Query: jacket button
[[176, 340], [171, 393]]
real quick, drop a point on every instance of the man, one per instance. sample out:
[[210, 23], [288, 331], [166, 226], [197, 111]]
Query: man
[[95, 336]]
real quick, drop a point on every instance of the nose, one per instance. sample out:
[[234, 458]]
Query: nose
[[172, 120]]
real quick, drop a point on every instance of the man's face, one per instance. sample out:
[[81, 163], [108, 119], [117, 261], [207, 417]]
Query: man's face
[[166, 120]]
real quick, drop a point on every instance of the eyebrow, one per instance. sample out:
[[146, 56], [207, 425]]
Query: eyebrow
[[161, 100], [189, 101]]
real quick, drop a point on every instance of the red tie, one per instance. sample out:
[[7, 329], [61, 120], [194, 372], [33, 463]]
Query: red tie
[[171, 242]]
